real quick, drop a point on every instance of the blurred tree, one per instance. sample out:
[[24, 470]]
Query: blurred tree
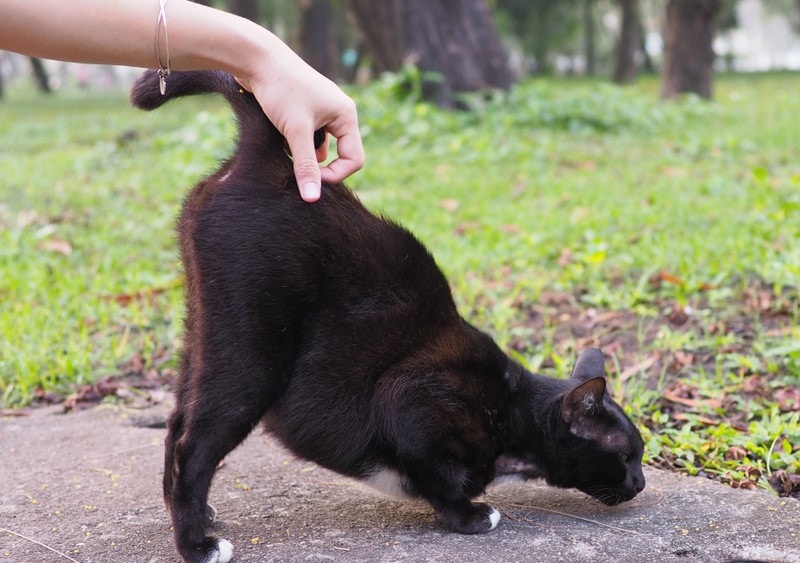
[[589, 34], [628, 42], [317, 41], [245, 8], [789, 9], [40, 75], [454, 43], [544, 26], [727, 21], [688, 47], [797, 15]]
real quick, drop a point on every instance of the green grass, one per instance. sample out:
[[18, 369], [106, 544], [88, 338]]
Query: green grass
[[562, 202]]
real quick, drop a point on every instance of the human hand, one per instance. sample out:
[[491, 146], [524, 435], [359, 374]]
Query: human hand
[[298, 101]]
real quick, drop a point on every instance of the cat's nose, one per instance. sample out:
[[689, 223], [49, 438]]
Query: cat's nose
[[638, 483]]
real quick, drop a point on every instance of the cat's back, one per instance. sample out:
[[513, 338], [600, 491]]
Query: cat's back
[[247, 225]]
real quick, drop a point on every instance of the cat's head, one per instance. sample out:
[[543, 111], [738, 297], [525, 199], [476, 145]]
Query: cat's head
[[598, 450]]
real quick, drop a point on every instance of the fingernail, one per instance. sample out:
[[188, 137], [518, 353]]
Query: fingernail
[[310, 191]]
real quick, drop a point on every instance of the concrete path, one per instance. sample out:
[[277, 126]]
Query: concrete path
[[86, 487]]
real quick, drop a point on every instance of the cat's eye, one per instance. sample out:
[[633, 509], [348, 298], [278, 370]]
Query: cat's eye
[[625, 458]]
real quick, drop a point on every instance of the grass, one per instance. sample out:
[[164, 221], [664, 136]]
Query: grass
[[566, 214]]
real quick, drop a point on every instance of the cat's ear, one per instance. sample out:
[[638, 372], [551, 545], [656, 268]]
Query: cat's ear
[[584, 400], [589, 364]]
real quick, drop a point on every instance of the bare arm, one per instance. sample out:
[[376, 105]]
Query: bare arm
[[296, 98]]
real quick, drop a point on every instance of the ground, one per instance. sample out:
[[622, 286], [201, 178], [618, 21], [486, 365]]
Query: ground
[[85, 487]]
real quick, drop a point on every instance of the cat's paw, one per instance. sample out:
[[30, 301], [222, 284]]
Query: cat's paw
[[221, 553], [478, 519], [494, 518]]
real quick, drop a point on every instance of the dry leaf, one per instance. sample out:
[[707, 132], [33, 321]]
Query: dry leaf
[[735, 453], [56, 245], [450, 205], [786, 484], [642, 366], [565, 258], [692, 403]]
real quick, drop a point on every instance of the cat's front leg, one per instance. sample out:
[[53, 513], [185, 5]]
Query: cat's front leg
[[466, 517]]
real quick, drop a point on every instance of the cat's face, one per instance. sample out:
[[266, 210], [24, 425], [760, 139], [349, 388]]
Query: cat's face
[[598, 450], [604, 459]]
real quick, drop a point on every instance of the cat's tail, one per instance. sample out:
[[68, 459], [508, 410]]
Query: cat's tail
[[255, 129]]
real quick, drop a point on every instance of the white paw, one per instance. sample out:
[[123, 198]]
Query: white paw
[[494, 518], [225, 549], [222, 554]]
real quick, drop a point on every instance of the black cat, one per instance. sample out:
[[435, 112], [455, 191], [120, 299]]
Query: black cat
[[336, 329]]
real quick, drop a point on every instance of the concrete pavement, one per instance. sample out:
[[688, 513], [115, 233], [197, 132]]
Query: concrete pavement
[[86, 487]]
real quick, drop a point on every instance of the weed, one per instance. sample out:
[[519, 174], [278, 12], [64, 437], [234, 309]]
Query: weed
[[566, 214]]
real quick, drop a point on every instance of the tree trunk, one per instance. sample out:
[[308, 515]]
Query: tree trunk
[[688, 47], [317, 43], [796, 18], [541, 39], [40, 75], [455, 39], [625, 68], [245, 8], [648, 65], [589, 42]]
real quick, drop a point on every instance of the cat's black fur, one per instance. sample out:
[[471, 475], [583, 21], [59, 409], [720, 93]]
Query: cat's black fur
[[337, 330]]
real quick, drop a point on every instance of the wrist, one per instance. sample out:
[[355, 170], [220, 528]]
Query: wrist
[[230, 42]]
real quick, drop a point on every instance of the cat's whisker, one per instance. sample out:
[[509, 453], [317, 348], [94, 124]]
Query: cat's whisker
[[583, 519]]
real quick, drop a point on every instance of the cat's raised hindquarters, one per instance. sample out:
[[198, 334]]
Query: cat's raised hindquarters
[[336, 330]]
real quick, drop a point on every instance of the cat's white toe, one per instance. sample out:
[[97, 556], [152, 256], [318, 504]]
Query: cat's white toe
[[222, 554], [494, 518], [225, 549]]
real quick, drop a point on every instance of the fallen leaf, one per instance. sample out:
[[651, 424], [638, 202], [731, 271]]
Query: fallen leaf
[[735, 453], [684, 358], [15, 412], [786, 484], [25, 218], [683, 417], [788, 398], [511, 229], [692, 403], [673, 171], [641, 367], [666, 277], [450, 205], [56, 245], [565, 258], [579, 214], [148, 294], [467, 227]]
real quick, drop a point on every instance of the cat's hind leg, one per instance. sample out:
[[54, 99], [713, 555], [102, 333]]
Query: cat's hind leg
[[208, 423]]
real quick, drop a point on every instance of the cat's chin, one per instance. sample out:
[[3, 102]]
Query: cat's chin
[[611, 497]]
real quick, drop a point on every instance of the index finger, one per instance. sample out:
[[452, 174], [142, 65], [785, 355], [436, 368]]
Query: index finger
[[304, 160], [350, 158]]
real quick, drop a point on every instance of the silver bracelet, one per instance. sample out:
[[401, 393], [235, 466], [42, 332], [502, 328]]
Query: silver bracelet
[[163, 71]]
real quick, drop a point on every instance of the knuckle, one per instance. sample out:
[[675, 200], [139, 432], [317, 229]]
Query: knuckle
[[306, 166]]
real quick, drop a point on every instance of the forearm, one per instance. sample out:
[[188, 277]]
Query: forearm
[[297, 99], [124, 32]]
